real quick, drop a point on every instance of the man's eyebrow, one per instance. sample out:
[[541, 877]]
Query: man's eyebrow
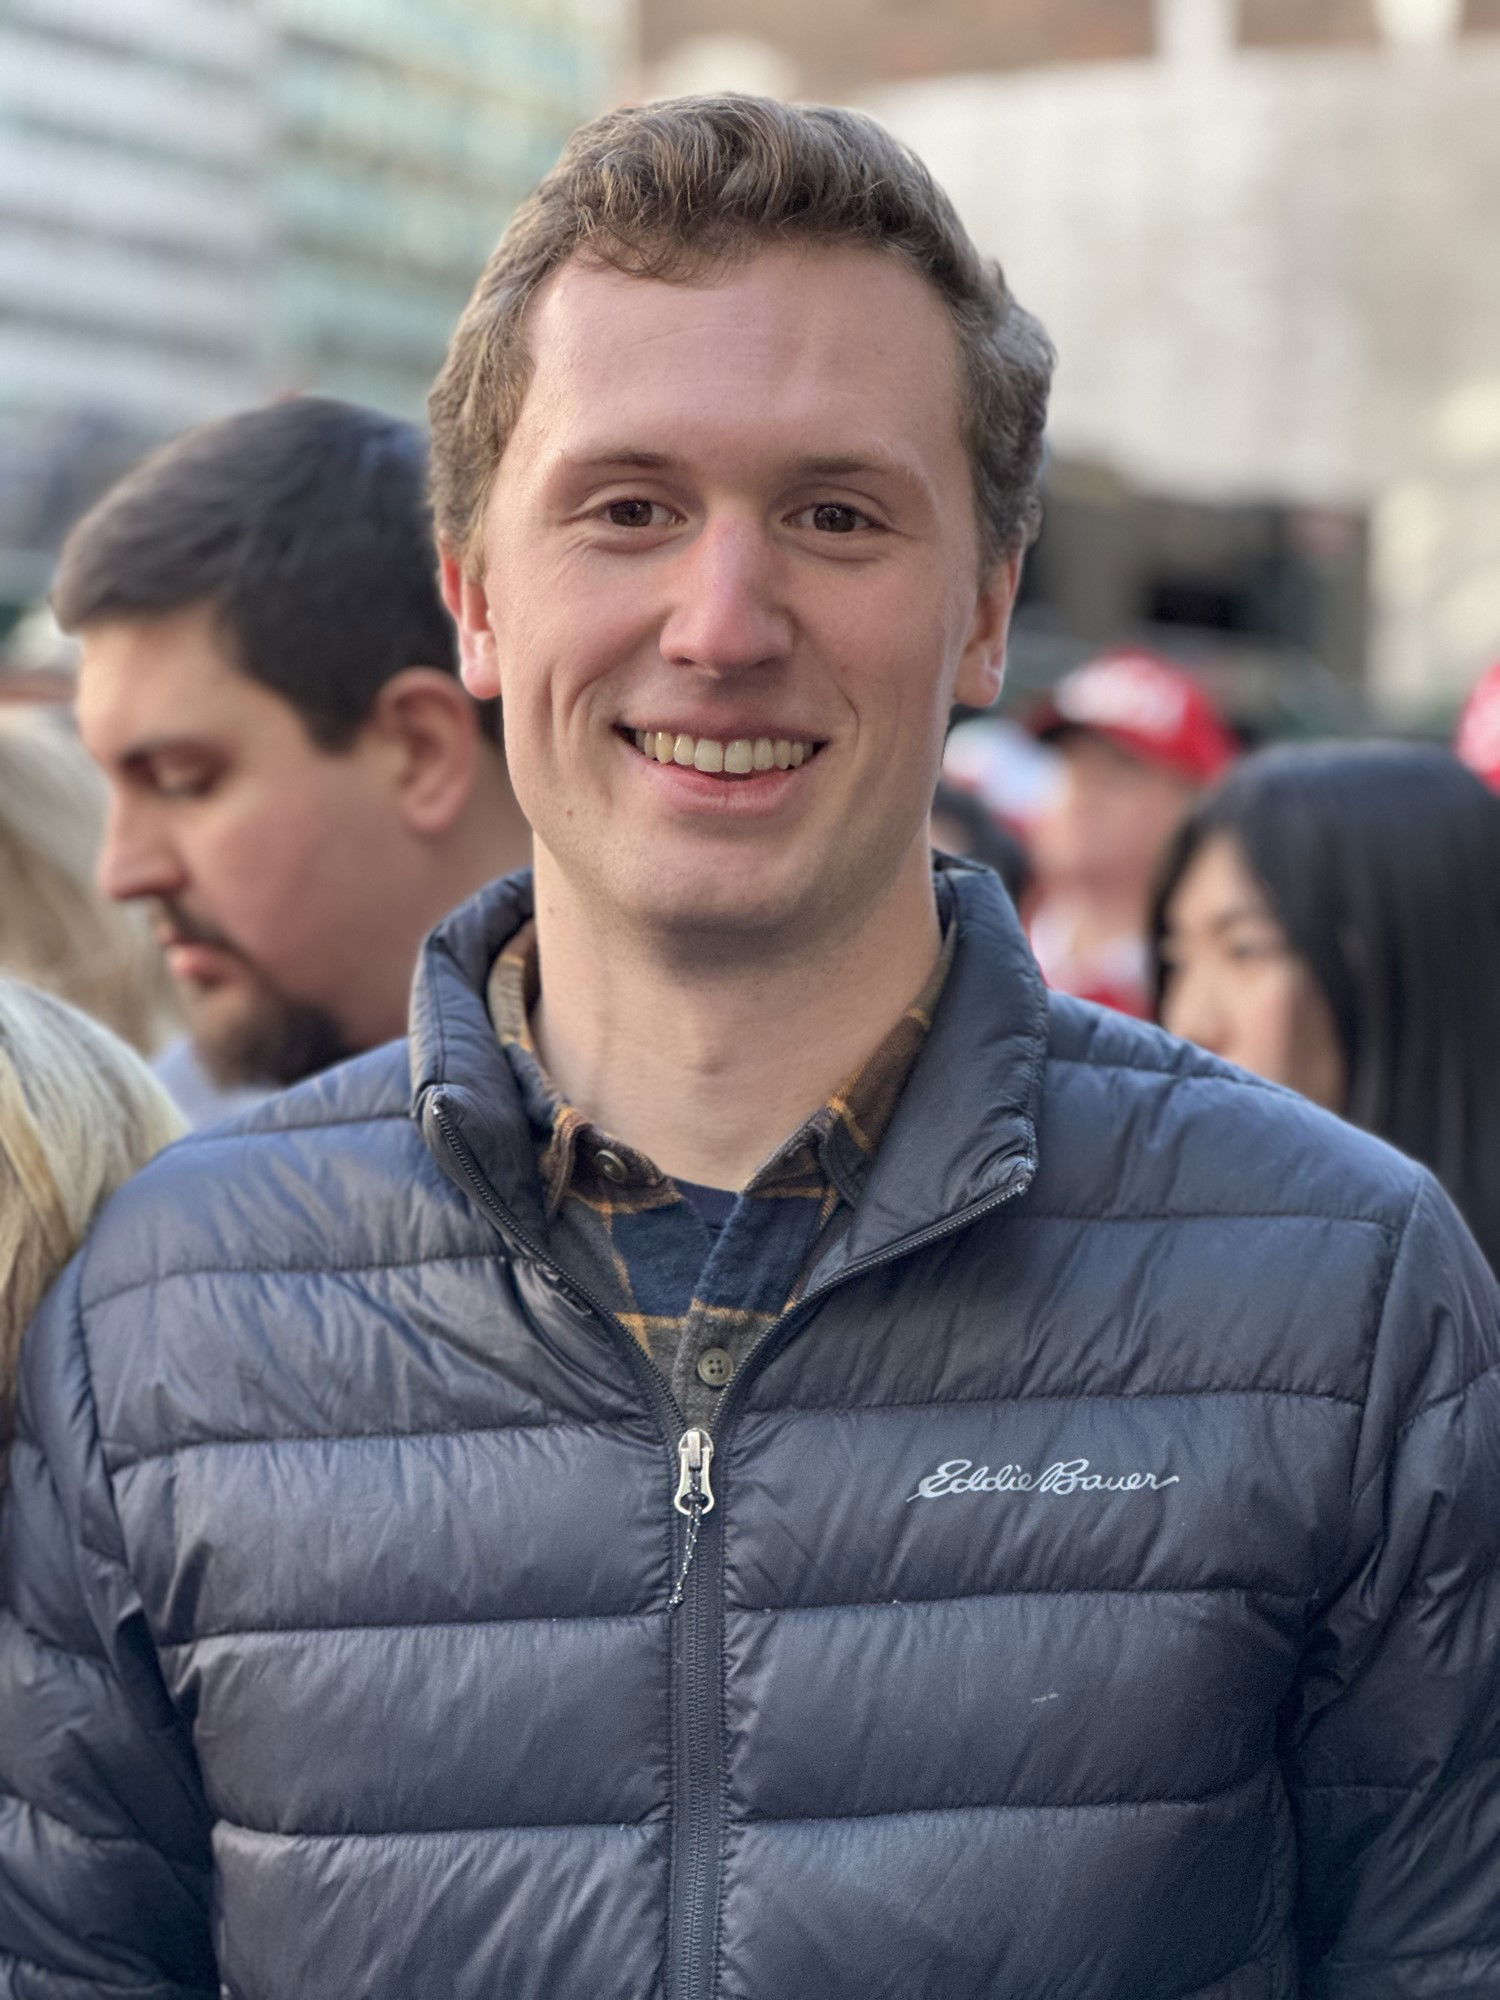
[[855, 465], [625, 456], [819, 465], [151, 747]]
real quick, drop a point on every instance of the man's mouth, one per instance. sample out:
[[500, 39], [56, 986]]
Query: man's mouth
[[196, 953], [726, 757], [175, 933]]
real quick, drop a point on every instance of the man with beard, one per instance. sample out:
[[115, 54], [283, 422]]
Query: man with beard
[[762, 1456], [300, 785]]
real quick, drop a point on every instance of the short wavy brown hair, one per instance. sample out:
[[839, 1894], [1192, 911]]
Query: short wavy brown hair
[[672, 189]]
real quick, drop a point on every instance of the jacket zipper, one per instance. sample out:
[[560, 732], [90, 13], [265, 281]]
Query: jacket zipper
[[694, 1497], [700, 1748], [694, 1635], [697, 1808]]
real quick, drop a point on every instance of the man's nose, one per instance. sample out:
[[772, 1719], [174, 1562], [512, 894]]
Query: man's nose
[[727, 610], [137, 857]]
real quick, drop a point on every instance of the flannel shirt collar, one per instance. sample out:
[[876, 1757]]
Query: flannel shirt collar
[[832, 1150]]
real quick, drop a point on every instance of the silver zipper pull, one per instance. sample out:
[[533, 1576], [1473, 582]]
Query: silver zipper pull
[[694, 1497], [695, 1493]]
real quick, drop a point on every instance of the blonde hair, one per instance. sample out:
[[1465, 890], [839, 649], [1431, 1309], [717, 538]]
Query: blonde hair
[[672, 189], [79, 1113], [56, 929]]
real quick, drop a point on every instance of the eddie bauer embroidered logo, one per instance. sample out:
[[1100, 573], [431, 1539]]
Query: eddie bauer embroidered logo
[[1066, 1475]]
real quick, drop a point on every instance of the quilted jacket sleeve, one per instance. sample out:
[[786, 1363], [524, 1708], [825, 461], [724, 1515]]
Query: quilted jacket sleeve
[[104, 1849], [1394, 1768]]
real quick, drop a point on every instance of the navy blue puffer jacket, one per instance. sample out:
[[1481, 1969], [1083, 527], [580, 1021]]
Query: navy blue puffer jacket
[[1101, 1599]]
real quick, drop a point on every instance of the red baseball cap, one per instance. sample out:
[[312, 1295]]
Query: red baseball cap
[[1478, 740], [1146, 706]]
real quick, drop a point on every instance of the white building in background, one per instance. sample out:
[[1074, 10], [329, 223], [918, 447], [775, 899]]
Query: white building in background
[[1270, 274], [204, 202]]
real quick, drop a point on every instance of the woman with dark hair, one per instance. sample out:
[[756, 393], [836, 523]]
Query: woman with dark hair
[[1329, 917]]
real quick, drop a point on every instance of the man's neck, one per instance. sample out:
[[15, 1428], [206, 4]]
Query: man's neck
[[707, 1072], [490, 838]]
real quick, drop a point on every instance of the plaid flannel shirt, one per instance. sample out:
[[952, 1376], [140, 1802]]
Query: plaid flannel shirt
[[698, 1300]]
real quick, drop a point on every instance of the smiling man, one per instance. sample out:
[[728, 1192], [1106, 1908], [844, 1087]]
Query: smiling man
[[766, 1459]]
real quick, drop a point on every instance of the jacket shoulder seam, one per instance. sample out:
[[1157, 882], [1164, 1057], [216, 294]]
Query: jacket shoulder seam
[[156, 1987], [479, 1621], [1025, 1213], [130, 1459], [101, 1299], [1448, 1396], [292, 1835], [1036, 1590], [75, 1655], [133, 1840], [1393, 1261], [231, 1135], [1352, 1785], [1133, 1804], [1269, 1390], [1258, 1084]]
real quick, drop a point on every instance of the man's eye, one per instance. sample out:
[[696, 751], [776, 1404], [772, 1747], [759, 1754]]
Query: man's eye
[[182, 784], [635, 514], [830, 517]]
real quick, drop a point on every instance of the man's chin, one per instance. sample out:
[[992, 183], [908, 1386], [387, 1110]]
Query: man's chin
[[269, 1043]]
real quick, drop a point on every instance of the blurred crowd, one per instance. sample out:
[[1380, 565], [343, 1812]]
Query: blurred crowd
[[221, 852], [1324, 914]]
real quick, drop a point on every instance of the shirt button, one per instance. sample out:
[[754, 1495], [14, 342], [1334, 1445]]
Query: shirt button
[[611, 1165], [714, 1367]]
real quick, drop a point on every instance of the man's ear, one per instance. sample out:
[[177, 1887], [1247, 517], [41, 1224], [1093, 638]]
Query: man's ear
[[981, 670], [469, 606], [429, 730]]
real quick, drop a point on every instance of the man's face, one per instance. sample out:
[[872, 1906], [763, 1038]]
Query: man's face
[[734, 525], [260, 853], [1104, 835]]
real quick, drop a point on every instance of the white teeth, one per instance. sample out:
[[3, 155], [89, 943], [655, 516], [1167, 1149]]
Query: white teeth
[[738, 757]]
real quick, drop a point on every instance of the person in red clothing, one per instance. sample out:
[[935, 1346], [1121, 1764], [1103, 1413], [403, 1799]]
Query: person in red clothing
[[1139, 739], [1478, 740]]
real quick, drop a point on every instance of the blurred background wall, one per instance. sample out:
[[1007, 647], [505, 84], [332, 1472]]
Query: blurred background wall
[[1262, 232], [1264, 236]]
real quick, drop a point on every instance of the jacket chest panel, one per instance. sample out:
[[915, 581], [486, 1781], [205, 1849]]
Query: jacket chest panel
[[1030, 1304], [364, 1732], [517, 1521], [492, 1603], [1109, 1903], [570, 1912], [463, 1343], [1237, 1492], [1047, 1601]]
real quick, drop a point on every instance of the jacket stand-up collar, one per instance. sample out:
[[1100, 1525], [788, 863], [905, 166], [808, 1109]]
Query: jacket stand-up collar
[[964, 1132]]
